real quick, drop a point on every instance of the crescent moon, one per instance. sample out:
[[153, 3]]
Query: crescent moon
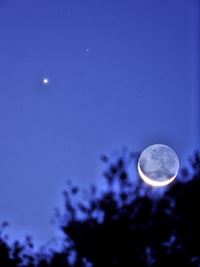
[[152, 182]]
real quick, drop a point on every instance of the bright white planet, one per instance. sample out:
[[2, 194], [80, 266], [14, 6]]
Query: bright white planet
[[45, 80], [158, 165]]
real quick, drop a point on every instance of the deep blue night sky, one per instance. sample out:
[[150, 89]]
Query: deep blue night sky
[[121, 73]]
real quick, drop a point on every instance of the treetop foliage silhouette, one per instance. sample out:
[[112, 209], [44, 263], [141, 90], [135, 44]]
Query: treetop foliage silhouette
[[128, 224]]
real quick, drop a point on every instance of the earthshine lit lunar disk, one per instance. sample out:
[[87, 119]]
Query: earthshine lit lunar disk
[[158, 165]]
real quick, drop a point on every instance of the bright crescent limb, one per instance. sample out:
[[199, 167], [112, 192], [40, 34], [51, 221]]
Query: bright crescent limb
[[152, 182]]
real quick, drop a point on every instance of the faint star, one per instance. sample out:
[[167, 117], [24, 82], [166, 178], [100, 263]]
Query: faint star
[[87, 50]]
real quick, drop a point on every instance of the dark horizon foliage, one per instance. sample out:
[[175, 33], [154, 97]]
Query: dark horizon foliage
[[128, 224]]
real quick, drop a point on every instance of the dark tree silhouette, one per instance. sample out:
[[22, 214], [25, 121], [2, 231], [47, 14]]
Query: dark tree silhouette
[[132, 225], [128, 224]]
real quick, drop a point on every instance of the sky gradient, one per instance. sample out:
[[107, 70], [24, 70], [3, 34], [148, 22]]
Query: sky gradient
[[121, 73]]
